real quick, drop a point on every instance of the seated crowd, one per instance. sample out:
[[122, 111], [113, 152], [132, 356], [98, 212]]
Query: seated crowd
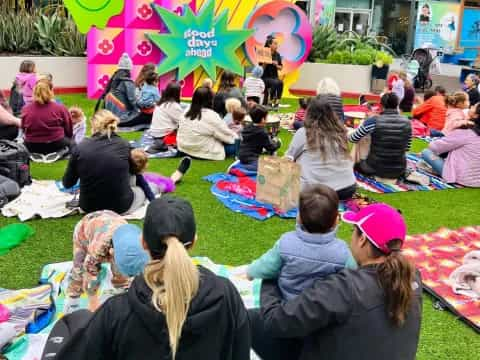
[[320, 298]]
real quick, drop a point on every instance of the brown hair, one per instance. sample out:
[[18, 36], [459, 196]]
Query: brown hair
[[324, 131], [318, 209], [238, 115], [138, 161], [43, 93], [27, 66], [147, 68], [456, 99], [151, 78], [396, 275]]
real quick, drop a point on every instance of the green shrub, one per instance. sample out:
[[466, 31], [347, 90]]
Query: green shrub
[[340, 57], [325, 40], [383, 58], [364, 56]]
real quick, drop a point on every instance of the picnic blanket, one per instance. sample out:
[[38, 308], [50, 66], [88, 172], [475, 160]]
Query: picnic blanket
[[237, 189], [30, 346], [47, 199], [439, 254], [146, 141], [436, 183]]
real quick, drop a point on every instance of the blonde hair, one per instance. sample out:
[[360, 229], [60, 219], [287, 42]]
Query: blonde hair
[[232, 104], [207, 83], [104, 122], [174, 281], [43, 93], [456, 99], [403, 75], [328, 86], [138, 161]]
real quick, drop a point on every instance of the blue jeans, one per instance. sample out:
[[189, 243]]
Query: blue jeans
[[436, 133], [435, 161], [231, 150]]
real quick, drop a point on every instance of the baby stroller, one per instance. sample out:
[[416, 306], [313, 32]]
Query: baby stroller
[[418, 66]]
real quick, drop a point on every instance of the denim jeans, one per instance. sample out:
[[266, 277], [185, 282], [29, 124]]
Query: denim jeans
[[435, 161], [231, 150]]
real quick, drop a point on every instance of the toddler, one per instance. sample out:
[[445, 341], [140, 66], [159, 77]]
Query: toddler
[[255, 139], [300, 114], [310, 252], [238, 117], [398, 85], [208, 83], [254, 86], [231, 105], [26, 80], [103, 237], [149, 94], [456, 115], [79, 124]]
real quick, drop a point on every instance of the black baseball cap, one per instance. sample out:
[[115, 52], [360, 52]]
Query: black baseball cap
[[168, 216]]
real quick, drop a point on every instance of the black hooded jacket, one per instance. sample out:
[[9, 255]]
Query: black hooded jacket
[[127, 327]]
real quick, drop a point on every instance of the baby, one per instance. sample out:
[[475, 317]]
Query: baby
[[138, 165], [79, 124], [231, 105], [208, 83]]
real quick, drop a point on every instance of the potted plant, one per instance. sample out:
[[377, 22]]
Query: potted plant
[[383, 60]]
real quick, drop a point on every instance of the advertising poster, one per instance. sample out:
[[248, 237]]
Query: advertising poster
[[437, 24], [325, 12], [470, 36]]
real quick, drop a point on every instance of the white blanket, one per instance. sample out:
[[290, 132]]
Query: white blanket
[[45, 200]]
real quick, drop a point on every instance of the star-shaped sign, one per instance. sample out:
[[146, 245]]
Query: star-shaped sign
[[198, 40]]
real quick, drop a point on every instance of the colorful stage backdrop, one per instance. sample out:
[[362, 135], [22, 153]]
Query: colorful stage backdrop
[[210, 34]]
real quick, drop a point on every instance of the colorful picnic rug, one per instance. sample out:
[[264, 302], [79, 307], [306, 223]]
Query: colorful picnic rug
[[436, 183], [30, 346], [436, 256], [237, 189]]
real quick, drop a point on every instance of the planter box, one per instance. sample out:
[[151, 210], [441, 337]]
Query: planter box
[[68, 72], [350, 78]]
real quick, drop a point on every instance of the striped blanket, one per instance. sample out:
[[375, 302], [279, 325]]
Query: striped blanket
[[30, 346], [436, 183]]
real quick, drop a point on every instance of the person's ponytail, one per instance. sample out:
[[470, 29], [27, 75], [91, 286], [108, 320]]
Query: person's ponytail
[[174, 281], [396, 276]]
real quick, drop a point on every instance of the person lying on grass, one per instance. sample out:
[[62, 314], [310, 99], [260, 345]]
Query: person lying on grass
[[310, 252], [102, 237]]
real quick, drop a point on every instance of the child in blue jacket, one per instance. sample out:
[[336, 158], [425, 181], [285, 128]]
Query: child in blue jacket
[[310, 252], [149, 94]]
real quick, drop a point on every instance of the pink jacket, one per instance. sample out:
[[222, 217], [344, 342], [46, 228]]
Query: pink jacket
[[463, 162], [455, 119], [26, 83]]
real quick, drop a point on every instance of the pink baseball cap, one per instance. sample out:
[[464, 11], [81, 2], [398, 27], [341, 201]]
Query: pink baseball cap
[[381, 224]]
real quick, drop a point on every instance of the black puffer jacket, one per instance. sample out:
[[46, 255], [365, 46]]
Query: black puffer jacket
[[127, 327], [336, 104], [390, 141]]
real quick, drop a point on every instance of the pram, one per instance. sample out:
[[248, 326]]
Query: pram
[[418, 66]]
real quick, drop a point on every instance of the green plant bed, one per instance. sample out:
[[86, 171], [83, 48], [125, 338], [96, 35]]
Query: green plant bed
[[234, 239]]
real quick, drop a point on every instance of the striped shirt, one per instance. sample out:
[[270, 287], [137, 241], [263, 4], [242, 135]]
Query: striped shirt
[[254, 87], [367, 128]]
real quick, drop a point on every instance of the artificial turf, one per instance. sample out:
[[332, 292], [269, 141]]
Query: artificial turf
[[234, 239]]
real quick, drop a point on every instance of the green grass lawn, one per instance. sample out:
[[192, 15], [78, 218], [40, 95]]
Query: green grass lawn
[[234, 239]]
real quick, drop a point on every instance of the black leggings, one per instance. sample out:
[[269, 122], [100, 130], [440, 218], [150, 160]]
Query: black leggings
[[48, 148], [274, 89], [8, 132], [140, 119]]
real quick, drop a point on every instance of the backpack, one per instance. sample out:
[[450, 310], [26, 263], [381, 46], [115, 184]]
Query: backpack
[[15, 162], [16, 100]]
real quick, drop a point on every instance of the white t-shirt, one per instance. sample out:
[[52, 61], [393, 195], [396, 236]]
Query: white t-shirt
[[254, 87], [165, 119]]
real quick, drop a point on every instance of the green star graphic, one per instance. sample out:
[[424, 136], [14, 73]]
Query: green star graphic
[[176, 44], [88, 13]]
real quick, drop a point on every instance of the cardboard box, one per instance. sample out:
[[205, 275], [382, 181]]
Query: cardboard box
[[278, 182]]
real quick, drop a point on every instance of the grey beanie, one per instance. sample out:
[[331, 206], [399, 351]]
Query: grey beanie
[[125, 62]]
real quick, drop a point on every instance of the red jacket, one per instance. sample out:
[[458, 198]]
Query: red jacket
[[432, 112], [46, 123]]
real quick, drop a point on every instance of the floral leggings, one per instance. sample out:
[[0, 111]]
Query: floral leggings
[[92, 242]]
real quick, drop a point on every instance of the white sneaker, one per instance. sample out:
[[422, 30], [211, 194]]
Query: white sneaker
[[423, 165]]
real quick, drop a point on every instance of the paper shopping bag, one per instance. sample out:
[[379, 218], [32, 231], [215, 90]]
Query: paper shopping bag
[[278, 182]]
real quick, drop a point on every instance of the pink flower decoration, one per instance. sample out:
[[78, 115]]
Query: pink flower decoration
[[106, 47], [103, 81], [144, 48], [145, 12], [179, 11]]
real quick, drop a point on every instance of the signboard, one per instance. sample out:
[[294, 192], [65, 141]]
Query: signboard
[[264, 55], [437, 24], [325, 12], [470, 35]]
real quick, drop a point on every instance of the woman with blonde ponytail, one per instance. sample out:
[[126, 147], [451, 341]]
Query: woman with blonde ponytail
[[175, 310], [373, 312], [102, 164]]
